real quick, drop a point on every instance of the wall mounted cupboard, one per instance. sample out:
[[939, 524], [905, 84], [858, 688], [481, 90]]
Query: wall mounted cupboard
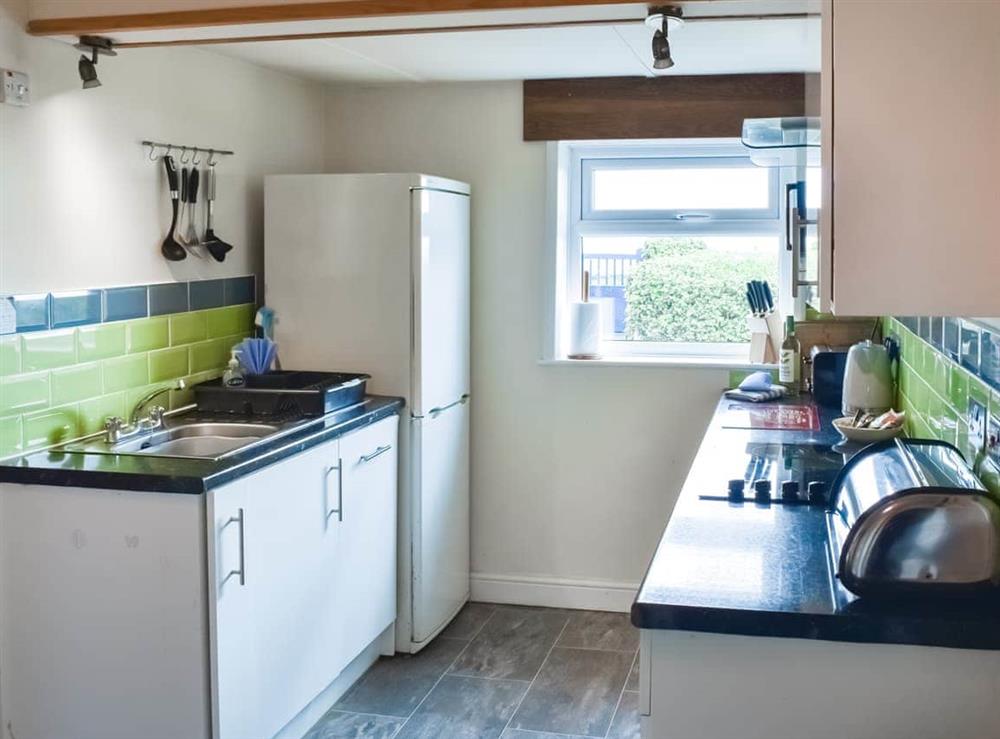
[[911, 106]]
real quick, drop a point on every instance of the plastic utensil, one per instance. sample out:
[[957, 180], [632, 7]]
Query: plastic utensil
[[215, 246], [170, 249]]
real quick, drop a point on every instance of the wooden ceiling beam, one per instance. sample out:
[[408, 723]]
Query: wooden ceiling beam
[[336, 10]]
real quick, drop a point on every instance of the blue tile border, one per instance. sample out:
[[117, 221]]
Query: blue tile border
[[238, 290], [970, 343], [171, 297], [207, 294], [43, 311], [32, 312], [123, 303], [76, 308]]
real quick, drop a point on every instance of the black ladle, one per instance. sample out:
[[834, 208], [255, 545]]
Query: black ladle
[[170, 249], [216, 246]]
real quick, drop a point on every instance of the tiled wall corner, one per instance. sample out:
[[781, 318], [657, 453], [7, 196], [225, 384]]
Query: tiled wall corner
[[57, 385], [936, 386]]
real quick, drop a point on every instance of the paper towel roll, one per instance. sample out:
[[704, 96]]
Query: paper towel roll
[[585, 331]]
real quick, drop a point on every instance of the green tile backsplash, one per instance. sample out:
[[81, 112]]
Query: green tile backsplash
[[60, 385], [935, 392]]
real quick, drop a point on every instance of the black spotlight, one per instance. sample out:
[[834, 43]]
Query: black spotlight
[[661, 50], [97, 46], [662, 20]]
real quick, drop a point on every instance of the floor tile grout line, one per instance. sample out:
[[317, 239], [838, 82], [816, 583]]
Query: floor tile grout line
[[621, 693], [367, 713], [440, 678], [537, 673], [596, 649]]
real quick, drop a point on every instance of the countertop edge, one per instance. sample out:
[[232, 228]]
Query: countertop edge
[[215, 474]]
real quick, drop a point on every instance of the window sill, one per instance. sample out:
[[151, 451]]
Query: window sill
[[692, 362]]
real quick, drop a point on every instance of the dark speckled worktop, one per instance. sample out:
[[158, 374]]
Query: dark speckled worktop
[[764, 570], [193, 476]]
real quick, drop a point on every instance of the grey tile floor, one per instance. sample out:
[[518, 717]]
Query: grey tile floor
[[501, 672]]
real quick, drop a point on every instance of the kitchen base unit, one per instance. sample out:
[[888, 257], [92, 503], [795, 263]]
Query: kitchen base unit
[[712, 686], [224, 614]]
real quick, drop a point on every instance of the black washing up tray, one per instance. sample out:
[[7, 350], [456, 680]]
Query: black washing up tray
[[284, 393]]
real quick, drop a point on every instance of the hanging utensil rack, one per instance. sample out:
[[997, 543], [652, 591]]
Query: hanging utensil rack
[[188, 154]]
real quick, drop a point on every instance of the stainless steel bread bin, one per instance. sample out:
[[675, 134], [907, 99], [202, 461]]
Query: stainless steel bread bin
[[908, 517]]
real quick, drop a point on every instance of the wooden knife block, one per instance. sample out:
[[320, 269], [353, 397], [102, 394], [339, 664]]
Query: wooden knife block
[[765, 338]]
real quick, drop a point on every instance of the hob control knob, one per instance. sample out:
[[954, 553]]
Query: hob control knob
[[790, 490], [736, 490], [817, 493], [762, 491]]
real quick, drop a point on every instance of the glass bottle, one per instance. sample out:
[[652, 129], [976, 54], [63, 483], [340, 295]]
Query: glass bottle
[[790, 367]]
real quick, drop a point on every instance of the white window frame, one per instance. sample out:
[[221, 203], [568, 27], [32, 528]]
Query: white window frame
[[568, 165]]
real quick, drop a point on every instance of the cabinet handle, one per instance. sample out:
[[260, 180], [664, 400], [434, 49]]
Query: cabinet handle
[[377, 453], [796, 246], [242, 571], [339, 510], [790, 189]]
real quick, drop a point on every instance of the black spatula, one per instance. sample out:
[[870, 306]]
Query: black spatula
[[216, 246]]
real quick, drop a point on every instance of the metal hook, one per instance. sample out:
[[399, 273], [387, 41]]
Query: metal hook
[[170, 148], [195, 159], [185, 150], [152, 152], [211, 158]]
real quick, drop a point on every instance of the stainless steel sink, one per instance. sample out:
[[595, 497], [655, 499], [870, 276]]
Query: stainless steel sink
[[198, 440], [207, 440]]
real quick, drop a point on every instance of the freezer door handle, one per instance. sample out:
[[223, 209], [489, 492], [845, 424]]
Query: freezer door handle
[[437, 411]]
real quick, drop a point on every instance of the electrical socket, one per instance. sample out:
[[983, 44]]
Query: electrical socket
[[16, 88], [993, 440], [977, 425]]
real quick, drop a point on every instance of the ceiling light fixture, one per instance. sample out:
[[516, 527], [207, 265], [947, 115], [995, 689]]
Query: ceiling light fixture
[[97, 46], [662, 20]]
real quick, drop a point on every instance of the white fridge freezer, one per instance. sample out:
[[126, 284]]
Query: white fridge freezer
[[370, 273]]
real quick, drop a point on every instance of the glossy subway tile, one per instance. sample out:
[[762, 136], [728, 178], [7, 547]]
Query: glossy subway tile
[[168, 298], [100, 342], [237, 290], [10, 354], [75, 383], [75, 308], [125, 303], [48, 350], [32, 312], [207, 294]]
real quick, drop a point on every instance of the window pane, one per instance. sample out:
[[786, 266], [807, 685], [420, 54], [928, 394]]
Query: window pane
[[814, 187], [680, 188], [678, 289]]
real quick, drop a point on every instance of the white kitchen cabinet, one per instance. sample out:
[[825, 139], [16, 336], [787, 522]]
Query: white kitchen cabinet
[[910, 114], [275, 630], [370, 461], [132, 613]]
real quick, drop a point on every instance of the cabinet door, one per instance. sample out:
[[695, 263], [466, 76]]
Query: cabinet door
[[276, 636], [236, 694], [366, 553], [915, 106], [295, 629]]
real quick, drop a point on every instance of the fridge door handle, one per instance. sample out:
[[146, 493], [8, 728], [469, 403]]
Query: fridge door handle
[[438, 410]]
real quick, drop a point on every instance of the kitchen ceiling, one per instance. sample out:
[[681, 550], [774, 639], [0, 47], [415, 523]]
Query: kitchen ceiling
[[600, 50]]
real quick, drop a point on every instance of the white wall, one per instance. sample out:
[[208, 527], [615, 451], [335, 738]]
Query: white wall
[[80, 206], [575, 469]]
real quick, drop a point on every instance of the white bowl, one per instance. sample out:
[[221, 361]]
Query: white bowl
[[864, 436]]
